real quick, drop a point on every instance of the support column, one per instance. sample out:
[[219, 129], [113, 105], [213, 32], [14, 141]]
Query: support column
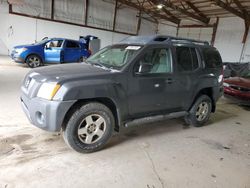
[[214, 31]]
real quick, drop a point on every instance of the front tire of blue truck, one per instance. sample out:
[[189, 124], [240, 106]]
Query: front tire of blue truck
[[89, 128]]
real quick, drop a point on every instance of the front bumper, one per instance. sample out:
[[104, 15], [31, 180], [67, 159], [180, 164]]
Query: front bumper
[[16, 57], [45, 114], [244, 96]]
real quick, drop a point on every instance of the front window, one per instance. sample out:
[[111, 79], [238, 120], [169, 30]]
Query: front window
[[157, 60], [114, 56], [54, 44]]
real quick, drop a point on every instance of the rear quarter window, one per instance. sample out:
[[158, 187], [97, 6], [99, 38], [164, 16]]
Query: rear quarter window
[[212, 58]]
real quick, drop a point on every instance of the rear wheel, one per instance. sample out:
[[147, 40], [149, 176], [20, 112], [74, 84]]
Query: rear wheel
[[82, 59], [200, 111], [33, 61], [89, 128]]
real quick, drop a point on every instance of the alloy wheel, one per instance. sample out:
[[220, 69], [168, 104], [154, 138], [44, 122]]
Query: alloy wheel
[[202, 111], [91, 129], [34, 61]]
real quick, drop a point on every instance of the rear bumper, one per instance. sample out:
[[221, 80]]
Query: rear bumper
[[45, 114]]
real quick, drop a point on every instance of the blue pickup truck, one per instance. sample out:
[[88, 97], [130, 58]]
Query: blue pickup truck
[[51, 50]]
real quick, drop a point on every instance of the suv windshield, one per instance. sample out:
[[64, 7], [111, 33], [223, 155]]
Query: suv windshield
[[114, 57], [41, 42]]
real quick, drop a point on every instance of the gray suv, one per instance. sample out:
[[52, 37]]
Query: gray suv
[[139, 80]]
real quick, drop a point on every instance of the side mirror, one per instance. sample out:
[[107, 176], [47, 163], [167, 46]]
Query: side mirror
[[144, 68]]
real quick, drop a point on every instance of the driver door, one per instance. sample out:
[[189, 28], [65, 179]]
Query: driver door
[[52, 51], [154, 90]]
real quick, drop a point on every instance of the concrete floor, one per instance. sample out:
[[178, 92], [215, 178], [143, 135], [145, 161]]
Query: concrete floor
[[159, 155]]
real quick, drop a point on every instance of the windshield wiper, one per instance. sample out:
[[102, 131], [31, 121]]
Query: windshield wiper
[[96, 63]]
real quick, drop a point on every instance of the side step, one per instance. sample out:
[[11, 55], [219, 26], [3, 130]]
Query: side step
[[151, 119]]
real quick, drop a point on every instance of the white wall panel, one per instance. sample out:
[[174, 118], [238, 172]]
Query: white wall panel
[[27, 30], [34, 8], [100, 13], [196, 33], [164, 29], [70, 11], [246, 52], [147, 28], [229, 38], [126, 19]]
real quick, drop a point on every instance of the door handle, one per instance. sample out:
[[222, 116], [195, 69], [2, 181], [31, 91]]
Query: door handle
[[157, 85], [169, 81]]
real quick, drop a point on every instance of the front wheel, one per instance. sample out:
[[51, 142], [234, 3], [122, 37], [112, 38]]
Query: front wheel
[[33, 61], [200, 111], [89, 128]]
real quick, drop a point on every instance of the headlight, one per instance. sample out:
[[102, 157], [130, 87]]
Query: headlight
[[225, 84], [20, 50], [48, 90]]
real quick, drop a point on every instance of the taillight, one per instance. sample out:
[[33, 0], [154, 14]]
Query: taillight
[[221, 76]]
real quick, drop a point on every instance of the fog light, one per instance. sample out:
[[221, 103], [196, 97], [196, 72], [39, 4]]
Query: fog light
[[40, 117]]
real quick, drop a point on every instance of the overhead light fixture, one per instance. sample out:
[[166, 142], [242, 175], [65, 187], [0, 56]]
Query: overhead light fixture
[[160, 6]]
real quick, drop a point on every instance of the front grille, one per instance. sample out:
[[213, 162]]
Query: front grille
[[243, 89]]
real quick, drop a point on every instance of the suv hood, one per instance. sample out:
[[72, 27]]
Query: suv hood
[[62, 73], [238, 81]]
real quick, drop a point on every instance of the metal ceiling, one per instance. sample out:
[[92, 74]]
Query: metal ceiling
[[198, 11]]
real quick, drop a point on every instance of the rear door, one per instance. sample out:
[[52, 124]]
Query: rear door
[[188, 71], [52, 51], [72, 51]]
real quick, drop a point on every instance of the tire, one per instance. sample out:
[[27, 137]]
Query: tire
[[82, 59], [200, 112], [89, 128], [33, 61]]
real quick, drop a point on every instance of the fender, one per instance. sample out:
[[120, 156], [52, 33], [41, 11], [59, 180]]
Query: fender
[[206, 81], [94, 89]]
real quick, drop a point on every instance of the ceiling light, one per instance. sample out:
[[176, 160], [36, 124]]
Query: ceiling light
[[160, 6]]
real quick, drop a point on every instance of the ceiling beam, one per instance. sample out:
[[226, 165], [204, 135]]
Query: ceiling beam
[[229, 8], [149, 12], [192, 6], [168, 13], [184, 11], [214, 31], [242, 9]]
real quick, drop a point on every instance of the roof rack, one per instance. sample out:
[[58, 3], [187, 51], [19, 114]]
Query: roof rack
[[159, 38], [179, 39]]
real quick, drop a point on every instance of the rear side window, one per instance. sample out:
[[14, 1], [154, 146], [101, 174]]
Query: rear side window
[[186, 59], [72, 44], [212, 58]]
